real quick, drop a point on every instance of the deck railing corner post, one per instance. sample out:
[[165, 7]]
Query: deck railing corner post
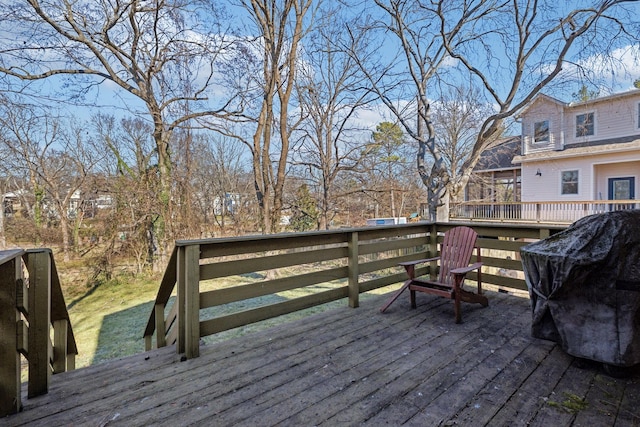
[[192, 301], [181, 289], [10, 384], [39, 268]]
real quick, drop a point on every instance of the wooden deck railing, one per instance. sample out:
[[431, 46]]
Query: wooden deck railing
[[31, 305], [345, 262], [550, 212]]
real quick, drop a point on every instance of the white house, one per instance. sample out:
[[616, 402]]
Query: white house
[[581, 151]]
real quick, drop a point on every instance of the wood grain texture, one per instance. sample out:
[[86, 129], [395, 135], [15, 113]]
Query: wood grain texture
[[351, 367]]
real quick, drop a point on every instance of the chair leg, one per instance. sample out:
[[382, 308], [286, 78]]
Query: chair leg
[[395, 296], [413, 298], [457, 297], [456, 309]]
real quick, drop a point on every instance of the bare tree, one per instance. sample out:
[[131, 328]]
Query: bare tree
[[457, 117], [57, 159], [271, 63], [332, 91], [218, 186], [148, 49], [132, 181], [509, 50]]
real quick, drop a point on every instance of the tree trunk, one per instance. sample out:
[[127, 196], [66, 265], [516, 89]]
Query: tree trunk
[[64, 228], [3, 239]]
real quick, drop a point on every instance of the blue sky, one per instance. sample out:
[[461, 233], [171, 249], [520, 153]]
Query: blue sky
[[617, 76]]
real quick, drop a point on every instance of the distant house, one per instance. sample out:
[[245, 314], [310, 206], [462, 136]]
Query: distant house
[[581, 151], [496, 178], [11, 202], [571, 160]]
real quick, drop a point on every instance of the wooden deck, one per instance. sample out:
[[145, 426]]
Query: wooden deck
[[353, 367]]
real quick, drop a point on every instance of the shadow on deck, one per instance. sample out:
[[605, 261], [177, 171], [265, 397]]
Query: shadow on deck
[[353, 367]]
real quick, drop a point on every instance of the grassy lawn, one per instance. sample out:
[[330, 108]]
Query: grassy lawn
[[108, 320]]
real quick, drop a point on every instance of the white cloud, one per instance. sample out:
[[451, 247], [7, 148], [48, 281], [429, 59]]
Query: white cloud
[[612, 72]]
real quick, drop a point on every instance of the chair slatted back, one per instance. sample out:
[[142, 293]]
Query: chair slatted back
[[455, 251]]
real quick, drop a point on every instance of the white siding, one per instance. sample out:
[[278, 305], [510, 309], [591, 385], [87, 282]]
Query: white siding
[[593, 178], [548, 187], [613, 118]]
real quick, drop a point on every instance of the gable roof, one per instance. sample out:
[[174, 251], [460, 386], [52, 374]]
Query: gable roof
[[544, 97], [539, 98], [632, 92], [499, 155]]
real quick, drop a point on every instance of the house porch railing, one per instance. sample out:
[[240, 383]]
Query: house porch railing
[[547, 212], [216, 282]]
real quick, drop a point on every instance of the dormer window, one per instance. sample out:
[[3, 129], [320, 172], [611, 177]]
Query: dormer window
[[585, 124], [541, 131]]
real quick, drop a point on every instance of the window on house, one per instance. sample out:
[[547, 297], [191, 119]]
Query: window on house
[[585, 124], [570, 182], [541, 131]]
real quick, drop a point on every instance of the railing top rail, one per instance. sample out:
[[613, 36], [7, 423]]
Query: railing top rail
[[9, 254], [289, 235], [548, 202], [38, 250], [367, 229], [505, 225]]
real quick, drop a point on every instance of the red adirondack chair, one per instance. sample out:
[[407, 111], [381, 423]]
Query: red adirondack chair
[[455, 255]]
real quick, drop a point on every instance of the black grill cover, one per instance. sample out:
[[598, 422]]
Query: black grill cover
[[584, 284]]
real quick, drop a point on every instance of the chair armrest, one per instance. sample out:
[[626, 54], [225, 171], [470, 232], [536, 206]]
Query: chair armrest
[[418, 261], [465, 270]]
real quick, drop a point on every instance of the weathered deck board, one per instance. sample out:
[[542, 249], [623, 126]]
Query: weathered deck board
[[352, 367]]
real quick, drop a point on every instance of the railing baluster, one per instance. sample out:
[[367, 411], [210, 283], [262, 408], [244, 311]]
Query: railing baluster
[[552, 211], [161, 339], [60, 345]]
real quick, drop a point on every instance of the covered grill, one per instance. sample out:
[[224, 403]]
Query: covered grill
[[584, 284]]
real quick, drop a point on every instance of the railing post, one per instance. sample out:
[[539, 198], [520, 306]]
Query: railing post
[[10, 393], [39, 267], [180, 285], [354, 286], [192, 301], [544, 233]]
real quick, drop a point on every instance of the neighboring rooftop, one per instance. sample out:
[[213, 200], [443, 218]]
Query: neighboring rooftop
[[499, 155]]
